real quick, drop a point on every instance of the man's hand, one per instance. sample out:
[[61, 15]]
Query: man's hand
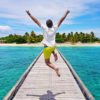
[[33, 18], [62, 18], [27, 11], [67, 12]]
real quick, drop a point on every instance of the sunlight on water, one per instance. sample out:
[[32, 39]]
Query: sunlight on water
[[86, 62], [13, 62]]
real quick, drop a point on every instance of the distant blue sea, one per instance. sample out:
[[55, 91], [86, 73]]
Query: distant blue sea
[[13, 62], [86, 62]]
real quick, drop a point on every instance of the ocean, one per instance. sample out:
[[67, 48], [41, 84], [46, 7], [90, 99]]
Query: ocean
[[86, 62], [15, 60]]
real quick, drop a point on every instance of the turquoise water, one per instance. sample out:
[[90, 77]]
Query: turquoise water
[[86, 62], [13, 62]]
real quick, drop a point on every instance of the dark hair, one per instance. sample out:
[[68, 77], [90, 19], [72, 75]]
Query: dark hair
[[49, 23]]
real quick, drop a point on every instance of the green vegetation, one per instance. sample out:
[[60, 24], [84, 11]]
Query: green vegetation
[[26, 38], [76, 37], [60, 38]]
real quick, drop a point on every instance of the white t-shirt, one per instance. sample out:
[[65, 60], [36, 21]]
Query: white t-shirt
[[49, 35]]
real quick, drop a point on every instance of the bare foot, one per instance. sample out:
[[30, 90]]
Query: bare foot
[[56, 57], [57, 71]]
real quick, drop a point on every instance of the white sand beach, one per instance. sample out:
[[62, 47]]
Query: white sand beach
[[58, 44]]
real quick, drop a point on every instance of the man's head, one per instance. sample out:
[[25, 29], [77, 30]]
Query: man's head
[[49, 23], [49, 92]]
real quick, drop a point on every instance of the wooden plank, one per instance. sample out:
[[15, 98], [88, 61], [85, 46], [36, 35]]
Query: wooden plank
[[82, 86], [42, 83], [13, 91]]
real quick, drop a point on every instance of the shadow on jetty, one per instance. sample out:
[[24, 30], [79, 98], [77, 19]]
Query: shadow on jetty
[[48, 96]]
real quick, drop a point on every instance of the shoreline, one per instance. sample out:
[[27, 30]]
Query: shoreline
[[58, 44]]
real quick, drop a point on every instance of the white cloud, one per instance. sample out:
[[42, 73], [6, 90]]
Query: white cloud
[[43, 9], [95, 30], [5, 28]]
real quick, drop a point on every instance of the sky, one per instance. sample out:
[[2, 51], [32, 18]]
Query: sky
[[84, 15]]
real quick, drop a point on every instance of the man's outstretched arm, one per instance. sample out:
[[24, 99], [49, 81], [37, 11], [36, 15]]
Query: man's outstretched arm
[[62, 19], [33, 18]]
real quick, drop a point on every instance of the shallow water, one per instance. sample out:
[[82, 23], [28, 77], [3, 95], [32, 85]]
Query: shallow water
[[86, 62], [13, 62]]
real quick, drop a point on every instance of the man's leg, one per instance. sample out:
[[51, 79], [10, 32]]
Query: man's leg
[[55, 55], [47, 61]]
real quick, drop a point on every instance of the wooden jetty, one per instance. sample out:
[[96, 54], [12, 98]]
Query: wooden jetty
[[39, 82]]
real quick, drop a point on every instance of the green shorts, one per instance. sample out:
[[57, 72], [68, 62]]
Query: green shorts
[[47, 51]]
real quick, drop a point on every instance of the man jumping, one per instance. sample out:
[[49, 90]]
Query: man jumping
[[49, 33]]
